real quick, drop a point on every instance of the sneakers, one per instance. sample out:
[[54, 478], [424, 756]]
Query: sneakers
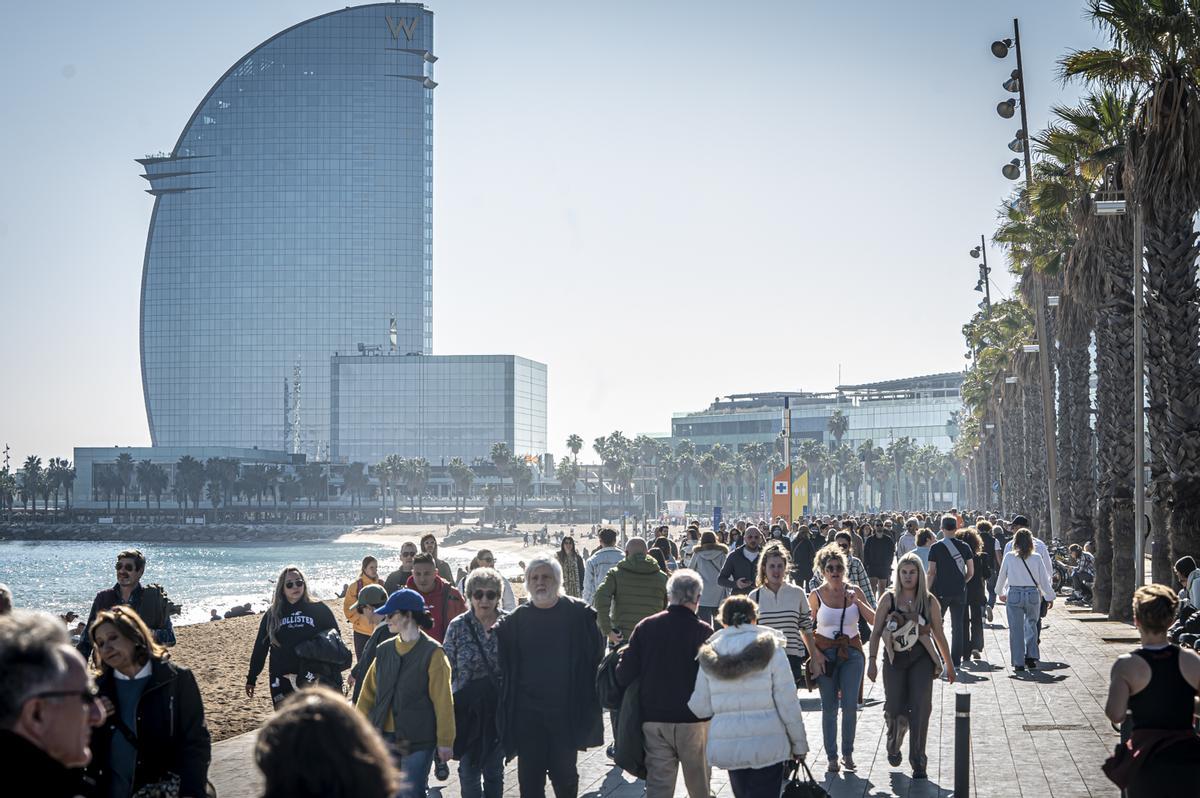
[[1030, 663], [1019, 668], [894, 759], [611, 752], [976, 655], [848, 762], [832, 767]]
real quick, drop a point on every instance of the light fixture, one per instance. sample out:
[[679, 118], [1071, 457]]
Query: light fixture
[[979, 286], [1010, 380], [1013, 84], [1012, 169], [1052, 300], [975, 253], [1000, 48], [1109, 207], [1006, 108], [1030, 349], [1017, 145]]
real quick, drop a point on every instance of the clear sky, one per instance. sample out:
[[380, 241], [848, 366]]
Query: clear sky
[[663, 200]]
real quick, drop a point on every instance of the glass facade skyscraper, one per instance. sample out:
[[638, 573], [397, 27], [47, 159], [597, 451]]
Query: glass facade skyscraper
[[436, 407], [292, 220]]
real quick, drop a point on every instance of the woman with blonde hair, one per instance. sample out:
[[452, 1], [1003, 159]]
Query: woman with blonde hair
[[909, 625], [154, 734], [836, 606], [784, 606], [745, 685], [293, 619]]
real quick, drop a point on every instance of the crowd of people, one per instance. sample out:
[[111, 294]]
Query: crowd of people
[[698, 647]]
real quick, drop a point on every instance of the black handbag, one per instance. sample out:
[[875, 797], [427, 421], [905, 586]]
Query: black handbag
[[806, 787], [326, 648]]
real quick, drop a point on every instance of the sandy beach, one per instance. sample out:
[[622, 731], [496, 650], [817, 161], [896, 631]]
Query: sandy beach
[[218, 652]]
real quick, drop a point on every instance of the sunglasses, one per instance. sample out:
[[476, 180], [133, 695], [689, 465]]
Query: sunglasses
[[291, 584], [490, 595], [87, 696], [834, 569], [408, 554], [127, 567]]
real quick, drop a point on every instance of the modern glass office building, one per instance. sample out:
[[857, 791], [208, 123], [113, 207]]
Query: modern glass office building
[[436, 407], [921, 408], [292, 220]]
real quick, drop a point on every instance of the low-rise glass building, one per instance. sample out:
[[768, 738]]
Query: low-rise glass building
[[435, 406], [921, 408]]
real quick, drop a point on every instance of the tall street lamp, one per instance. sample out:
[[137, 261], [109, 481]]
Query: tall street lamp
[[1017, 81], [984, 284], [1117, 207]]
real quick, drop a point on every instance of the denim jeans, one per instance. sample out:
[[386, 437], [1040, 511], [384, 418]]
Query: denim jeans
[[991, 587], [414, 772], [489, 770], [1024, 609], [844, 675]]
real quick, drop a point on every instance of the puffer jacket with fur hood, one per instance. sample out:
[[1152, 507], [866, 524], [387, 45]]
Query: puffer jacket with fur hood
[[745, 685]]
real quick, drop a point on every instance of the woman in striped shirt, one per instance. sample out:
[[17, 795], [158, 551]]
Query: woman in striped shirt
[[784, 606]]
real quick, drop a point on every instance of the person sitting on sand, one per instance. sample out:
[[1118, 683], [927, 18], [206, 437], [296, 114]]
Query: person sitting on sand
[[294, 618], [155, 725], [406, 693], [429, 545], [240, 611], [212, 615], [317, 746]]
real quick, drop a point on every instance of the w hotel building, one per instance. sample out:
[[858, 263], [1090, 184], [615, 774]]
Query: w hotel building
[[293, 224]]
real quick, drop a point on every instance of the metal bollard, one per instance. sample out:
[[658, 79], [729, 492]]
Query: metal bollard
[[962, 745]]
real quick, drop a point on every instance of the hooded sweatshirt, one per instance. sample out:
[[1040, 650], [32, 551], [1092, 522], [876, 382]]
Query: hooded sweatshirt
[[443, 567], [708, 562], [746, 686], [445, 604], [635, 589]]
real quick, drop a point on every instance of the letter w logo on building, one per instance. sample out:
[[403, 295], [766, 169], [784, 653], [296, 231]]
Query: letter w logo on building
[[409, 26]]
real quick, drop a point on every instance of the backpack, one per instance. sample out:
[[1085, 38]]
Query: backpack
[[608, 690]]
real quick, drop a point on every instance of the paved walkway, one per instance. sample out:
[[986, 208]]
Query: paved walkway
[[1042, 734]]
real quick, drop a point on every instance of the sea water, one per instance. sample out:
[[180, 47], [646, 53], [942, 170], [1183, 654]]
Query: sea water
[[57, 576]]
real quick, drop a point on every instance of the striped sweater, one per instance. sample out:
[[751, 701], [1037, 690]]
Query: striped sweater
[[786, 611]]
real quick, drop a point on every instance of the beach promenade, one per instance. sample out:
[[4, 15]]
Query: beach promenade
[[1040, 735]]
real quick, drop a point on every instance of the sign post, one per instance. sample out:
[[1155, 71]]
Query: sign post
[[716, 517]]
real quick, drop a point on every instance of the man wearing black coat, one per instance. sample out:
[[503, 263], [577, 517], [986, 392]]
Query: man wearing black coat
[[662, 655], [741, 566], [549, 712]]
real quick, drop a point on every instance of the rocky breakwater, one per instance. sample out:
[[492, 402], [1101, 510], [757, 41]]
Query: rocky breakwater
[[175, 533]]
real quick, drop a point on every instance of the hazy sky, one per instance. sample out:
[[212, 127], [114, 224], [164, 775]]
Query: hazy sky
[[664, 201]]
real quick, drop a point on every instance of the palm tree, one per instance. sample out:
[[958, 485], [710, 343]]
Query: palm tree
[[522, 475], [811, 451], [8, 489], [837, 425], [575, 445], [756, 456], [600, 447], [685, 457], [1154, 48], [461, 477], [567, 474], [709, 466], [125, 467], [502, 459], [32, 475], [355, 481], [142, 471], [900, 450]]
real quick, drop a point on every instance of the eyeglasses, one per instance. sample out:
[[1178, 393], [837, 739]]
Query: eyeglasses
[[490, 595], [834, 569], [290, 584], [127, 567], [87, 696]]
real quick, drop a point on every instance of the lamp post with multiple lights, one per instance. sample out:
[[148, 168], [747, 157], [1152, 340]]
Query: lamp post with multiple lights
[[1012, 170], [984, 284]]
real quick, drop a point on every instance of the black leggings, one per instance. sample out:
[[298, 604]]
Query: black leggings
[[545, 748]]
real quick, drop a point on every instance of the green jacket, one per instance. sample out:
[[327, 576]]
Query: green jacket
[[635, 589]]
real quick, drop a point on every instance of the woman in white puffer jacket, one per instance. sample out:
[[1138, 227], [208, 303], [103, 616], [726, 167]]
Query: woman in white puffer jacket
[[746, 686]]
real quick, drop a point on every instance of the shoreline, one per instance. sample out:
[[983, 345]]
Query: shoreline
[[175, 533]]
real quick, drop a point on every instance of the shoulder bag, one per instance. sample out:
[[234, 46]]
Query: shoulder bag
[[802, 787], [475, 705], [1044, 607]]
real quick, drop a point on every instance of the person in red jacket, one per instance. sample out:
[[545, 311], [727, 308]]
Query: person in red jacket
[[444, 601]]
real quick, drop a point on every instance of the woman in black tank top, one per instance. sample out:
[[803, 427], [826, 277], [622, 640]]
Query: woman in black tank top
[[1157, 686]]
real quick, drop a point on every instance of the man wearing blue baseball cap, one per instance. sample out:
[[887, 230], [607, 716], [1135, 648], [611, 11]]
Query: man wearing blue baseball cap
[[406, 693]]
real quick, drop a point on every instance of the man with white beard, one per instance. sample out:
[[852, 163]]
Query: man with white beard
[[549, 651]]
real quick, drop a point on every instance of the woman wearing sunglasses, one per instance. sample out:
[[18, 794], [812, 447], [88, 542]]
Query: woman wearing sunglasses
[[836, 606], [154, 732], [294, 618], [475, 667], [485, 559]]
